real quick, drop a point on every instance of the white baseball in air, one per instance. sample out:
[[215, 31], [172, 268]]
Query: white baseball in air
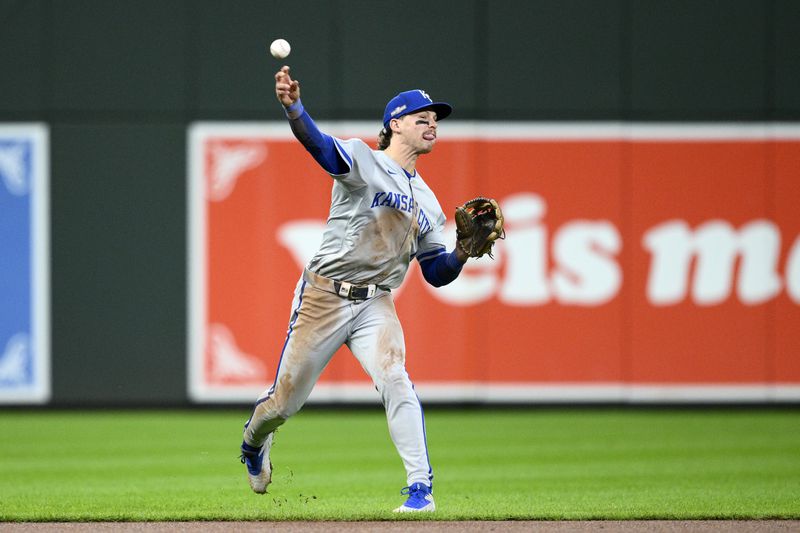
[[280, 48]]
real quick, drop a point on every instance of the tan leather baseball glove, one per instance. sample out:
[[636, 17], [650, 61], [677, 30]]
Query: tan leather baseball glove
[[479, 223]]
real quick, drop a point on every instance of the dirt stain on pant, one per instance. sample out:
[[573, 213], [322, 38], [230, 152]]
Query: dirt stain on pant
[[272, 412]]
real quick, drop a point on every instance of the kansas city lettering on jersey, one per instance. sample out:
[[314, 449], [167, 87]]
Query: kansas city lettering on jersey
[[403, 202]]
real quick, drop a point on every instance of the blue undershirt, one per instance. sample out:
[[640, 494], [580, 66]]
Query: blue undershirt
[[438, 267]]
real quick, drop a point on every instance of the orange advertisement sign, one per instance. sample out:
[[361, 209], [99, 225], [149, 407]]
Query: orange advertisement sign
[[640, 263]]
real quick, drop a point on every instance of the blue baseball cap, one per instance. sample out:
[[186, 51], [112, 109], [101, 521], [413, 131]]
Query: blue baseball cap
[[412, 101]]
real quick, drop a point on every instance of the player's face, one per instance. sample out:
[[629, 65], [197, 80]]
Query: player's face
[[419, 131]]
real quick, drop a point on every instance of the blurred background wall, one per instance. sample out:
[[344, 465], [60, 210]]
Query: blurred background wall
[[119, 82]]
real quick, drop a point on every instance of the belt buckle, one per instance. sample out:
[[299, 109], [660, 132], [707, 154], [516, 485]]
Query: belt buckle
[[362, 293]]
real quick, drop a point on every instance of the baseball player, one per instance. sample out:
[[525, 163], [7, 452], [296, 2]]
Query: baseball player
[[382, 216]]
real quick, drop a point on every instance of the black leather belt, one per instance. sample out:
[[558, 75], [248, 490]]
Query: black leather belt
[[342, 288], [347, 290]]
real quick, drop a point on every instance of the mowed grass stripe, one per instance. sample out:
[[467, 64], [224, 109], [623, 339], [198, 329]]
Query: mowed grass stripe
[[340, 465]]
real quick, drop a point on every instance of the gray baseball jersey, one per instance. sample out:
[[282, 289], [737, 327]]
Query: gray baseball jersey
[[380, 219]]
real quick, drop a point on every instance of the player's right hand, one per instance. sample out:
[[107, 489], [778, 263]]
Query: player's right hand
[[286, 89]]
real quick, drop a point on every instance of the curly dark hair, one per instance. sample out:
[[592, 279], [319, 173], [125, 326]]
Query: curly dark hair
[[384, 138]]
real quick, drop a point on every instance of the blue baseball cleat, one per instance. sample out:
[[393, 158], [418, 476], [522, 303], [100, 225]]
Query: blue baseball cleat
[[259, 467], [419, 499]]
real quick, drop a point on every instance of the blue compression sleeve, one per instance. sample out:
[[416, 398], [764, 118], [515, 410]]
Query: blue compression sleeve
[[320, 145], [442, 269]]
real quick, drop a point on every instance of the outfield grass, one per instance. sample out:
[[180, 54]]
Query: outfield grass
[[340, 465]]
